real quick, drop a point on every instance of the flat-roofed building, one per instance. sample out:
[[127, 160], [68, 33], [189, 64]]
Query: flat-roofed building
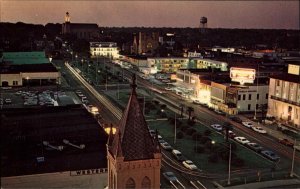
[[106, 49], [57, 147], [284, 96], [27, 68]]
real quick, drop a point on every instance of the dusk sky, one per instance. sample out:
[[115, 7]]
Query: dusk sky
[[220, 14]]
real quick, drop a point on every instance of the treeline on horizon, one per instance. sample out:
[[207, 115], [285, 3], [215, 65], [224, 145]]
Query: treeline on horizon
[[185, 37]]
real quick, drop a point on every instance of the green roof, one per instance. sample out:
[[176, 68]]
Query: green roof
[[15, 58]]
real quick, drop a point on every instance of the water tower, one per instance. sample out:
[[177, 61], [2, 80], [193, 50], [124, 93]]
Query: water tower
[[203, 23]]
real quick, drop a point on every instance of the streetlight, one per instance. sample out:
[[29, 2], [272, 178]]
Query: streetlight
[[229, 163], [76, 56], [27, 82], [255, 111], [175, 130], [293, 160]]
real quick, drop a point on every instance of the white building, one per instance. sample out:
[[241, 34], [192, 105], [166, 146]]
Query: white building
[[106, 49], [284, 98], [222, 49]]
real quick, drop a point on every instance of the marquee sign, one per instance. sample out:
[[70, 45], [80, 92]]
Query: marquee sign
[[242, 75]]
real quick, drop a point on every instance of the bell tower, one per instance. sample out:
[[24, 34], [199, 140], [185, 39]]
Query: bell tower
[[67, 17], [66, 27], [133, 155]]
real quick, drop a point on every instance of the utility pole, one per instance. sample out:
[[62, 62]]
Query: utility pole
[[175, 130], [229, 165]]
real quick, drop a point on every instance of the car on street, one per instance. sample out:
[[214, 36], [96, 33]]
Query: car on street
[[190, 165], [166, 146], [270, 155], [241, 140], [178, 155], [259, 130], [152, 133], [247, 124], [236, 119], [170, 176], [254, 146], [217, 127], [168, 89], [286, 142]]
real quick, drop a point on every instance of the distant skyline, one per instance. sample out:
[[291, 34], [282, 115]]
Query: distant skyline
[[220, 14]]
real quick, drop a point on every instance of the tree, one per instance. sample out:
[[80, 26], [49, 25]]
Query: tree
[[227, 126], [190, 110]]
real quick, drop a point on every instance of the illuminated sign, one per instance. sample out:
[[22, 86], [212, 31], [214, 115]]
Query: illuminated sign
[[293, 69], [88, 172], [242, 75]]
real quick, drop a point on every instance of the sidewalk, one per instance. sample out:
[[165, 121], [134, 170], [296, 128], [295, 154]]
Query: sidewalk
[[267, 184], [271, 130]]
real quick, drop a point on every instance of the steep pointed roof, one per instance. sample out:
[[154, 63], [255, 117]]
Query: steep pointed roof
[[132, 139]]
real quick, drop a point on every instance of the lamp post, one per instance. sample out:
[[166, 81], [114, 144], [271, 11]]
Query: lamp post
[[229, 165], [255, 109], [76, 56], [293, 160], [175, 130]]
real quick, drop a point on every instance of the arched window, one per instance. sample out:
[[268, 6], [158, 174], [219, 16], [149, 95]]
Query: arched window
[[146, 183], [130, 183]]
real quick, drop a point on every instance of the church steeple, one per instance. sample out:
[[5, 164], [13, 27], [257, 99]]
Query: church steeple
[[67, 17], [134, 157]]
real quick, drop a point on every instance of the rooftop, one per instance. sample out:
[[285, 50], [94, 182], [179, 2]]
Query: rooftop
[[15, 58], [287, 77], [24, 133]]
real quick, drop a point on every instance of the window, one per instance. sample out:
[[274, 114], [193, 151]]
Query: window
[[267, 96], [130, 183], [15, 82], [244, 97], [256, 106], [249, 97], [249, 106], [257, 96], [277, 83], [239, 97], [146, 183]]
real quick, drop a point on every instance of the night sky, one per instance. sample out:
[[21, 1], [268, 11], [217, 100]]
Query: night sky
[[220, 14]]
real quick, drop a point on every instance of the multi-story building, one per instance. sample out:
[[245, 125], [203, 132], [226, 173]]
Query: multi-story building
[[106, 49], [148, 42], [284, 96]]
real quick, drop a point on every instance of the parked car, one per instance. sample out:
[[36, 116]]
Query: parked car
[[190, 165], [259, 130], [217, 127], [170, 176], [219, 112], [196, 102], [7, 101], [286, 142], [247, 124], [236, 119], [254, 146], [241, 140], [270, 155], [166, 146]]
